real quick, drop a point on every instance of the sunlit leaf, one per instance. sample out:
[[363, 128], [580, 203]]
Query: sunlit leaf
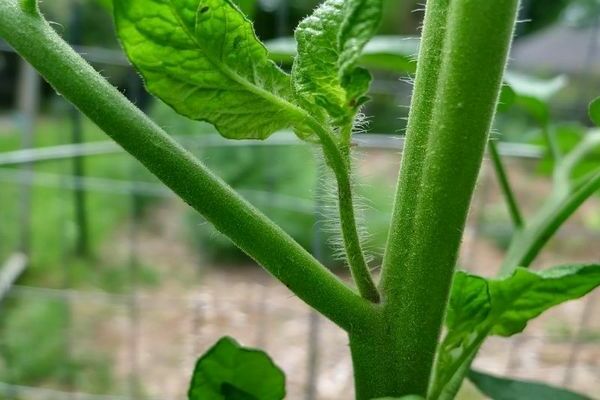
[[386, 53], [330, 42], [202, 58], [230, 372], [497, 388], [480, 307]]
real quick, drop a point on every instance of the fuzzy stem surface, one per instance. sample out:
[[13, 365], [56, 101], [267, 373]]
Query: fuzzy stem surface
[[461, 63]]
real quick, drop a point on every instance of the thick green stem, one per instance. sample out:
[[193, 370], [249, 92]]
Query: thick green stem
[[250, 230], [511, 201], [375, 356], [463, 55]]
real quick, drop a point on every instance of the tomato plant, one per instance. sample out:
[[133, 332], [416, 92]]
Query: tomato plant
[[203, 59]]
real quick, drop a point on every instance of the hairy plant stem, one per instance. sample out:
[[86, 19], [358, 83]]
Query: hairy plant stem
[[511, 201], [338, 158], [462, 59], [32, 37]]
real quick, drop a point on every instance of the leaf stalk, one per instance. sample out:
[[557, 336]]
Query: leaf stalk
[[505, 186]]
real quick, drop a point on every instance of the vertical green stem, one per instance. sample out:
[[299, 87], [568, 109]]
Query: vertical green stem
[[464, 50], [511, 201]]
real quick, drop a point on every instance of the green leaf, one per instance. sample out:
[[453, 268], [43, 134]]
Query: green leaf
[[386, 53], [595, 111], [529, 86], [230, 372], [330, 42], [411, 397], [509, 389], [468, 309], [571, 138], [534, 94], [361, 22], [527, 294], [202, 58], [479, 307]]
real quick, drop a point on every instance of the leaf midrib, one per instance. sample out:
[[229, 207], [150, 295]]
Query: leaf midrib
[[229, 73]]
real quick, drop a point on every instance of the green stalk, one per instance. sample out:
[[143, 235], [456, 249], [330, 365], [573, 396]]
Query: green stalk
[[251, 231], [511, 201], [528, 243], [463, 56], [552, 142], [565, 200], [338, 159]]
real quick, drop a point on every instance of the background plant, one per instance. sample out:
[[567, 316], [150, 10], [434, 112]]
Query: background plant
[[393, 337]]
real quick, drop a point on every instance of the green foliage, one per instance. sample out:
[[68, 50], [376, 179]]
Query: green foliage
[[282, 193], [533, 94], [29, 324], [329, 44], [49, 360], [570, 137], [595, 111], [576, 177], [107, 4], [497, 388], [387, 53], [480, 307], [203, 59], [402, 398], [229, 371]]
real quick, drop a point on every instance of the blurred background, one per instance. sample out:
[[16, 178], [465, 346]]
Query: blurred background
[[110, 287]]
